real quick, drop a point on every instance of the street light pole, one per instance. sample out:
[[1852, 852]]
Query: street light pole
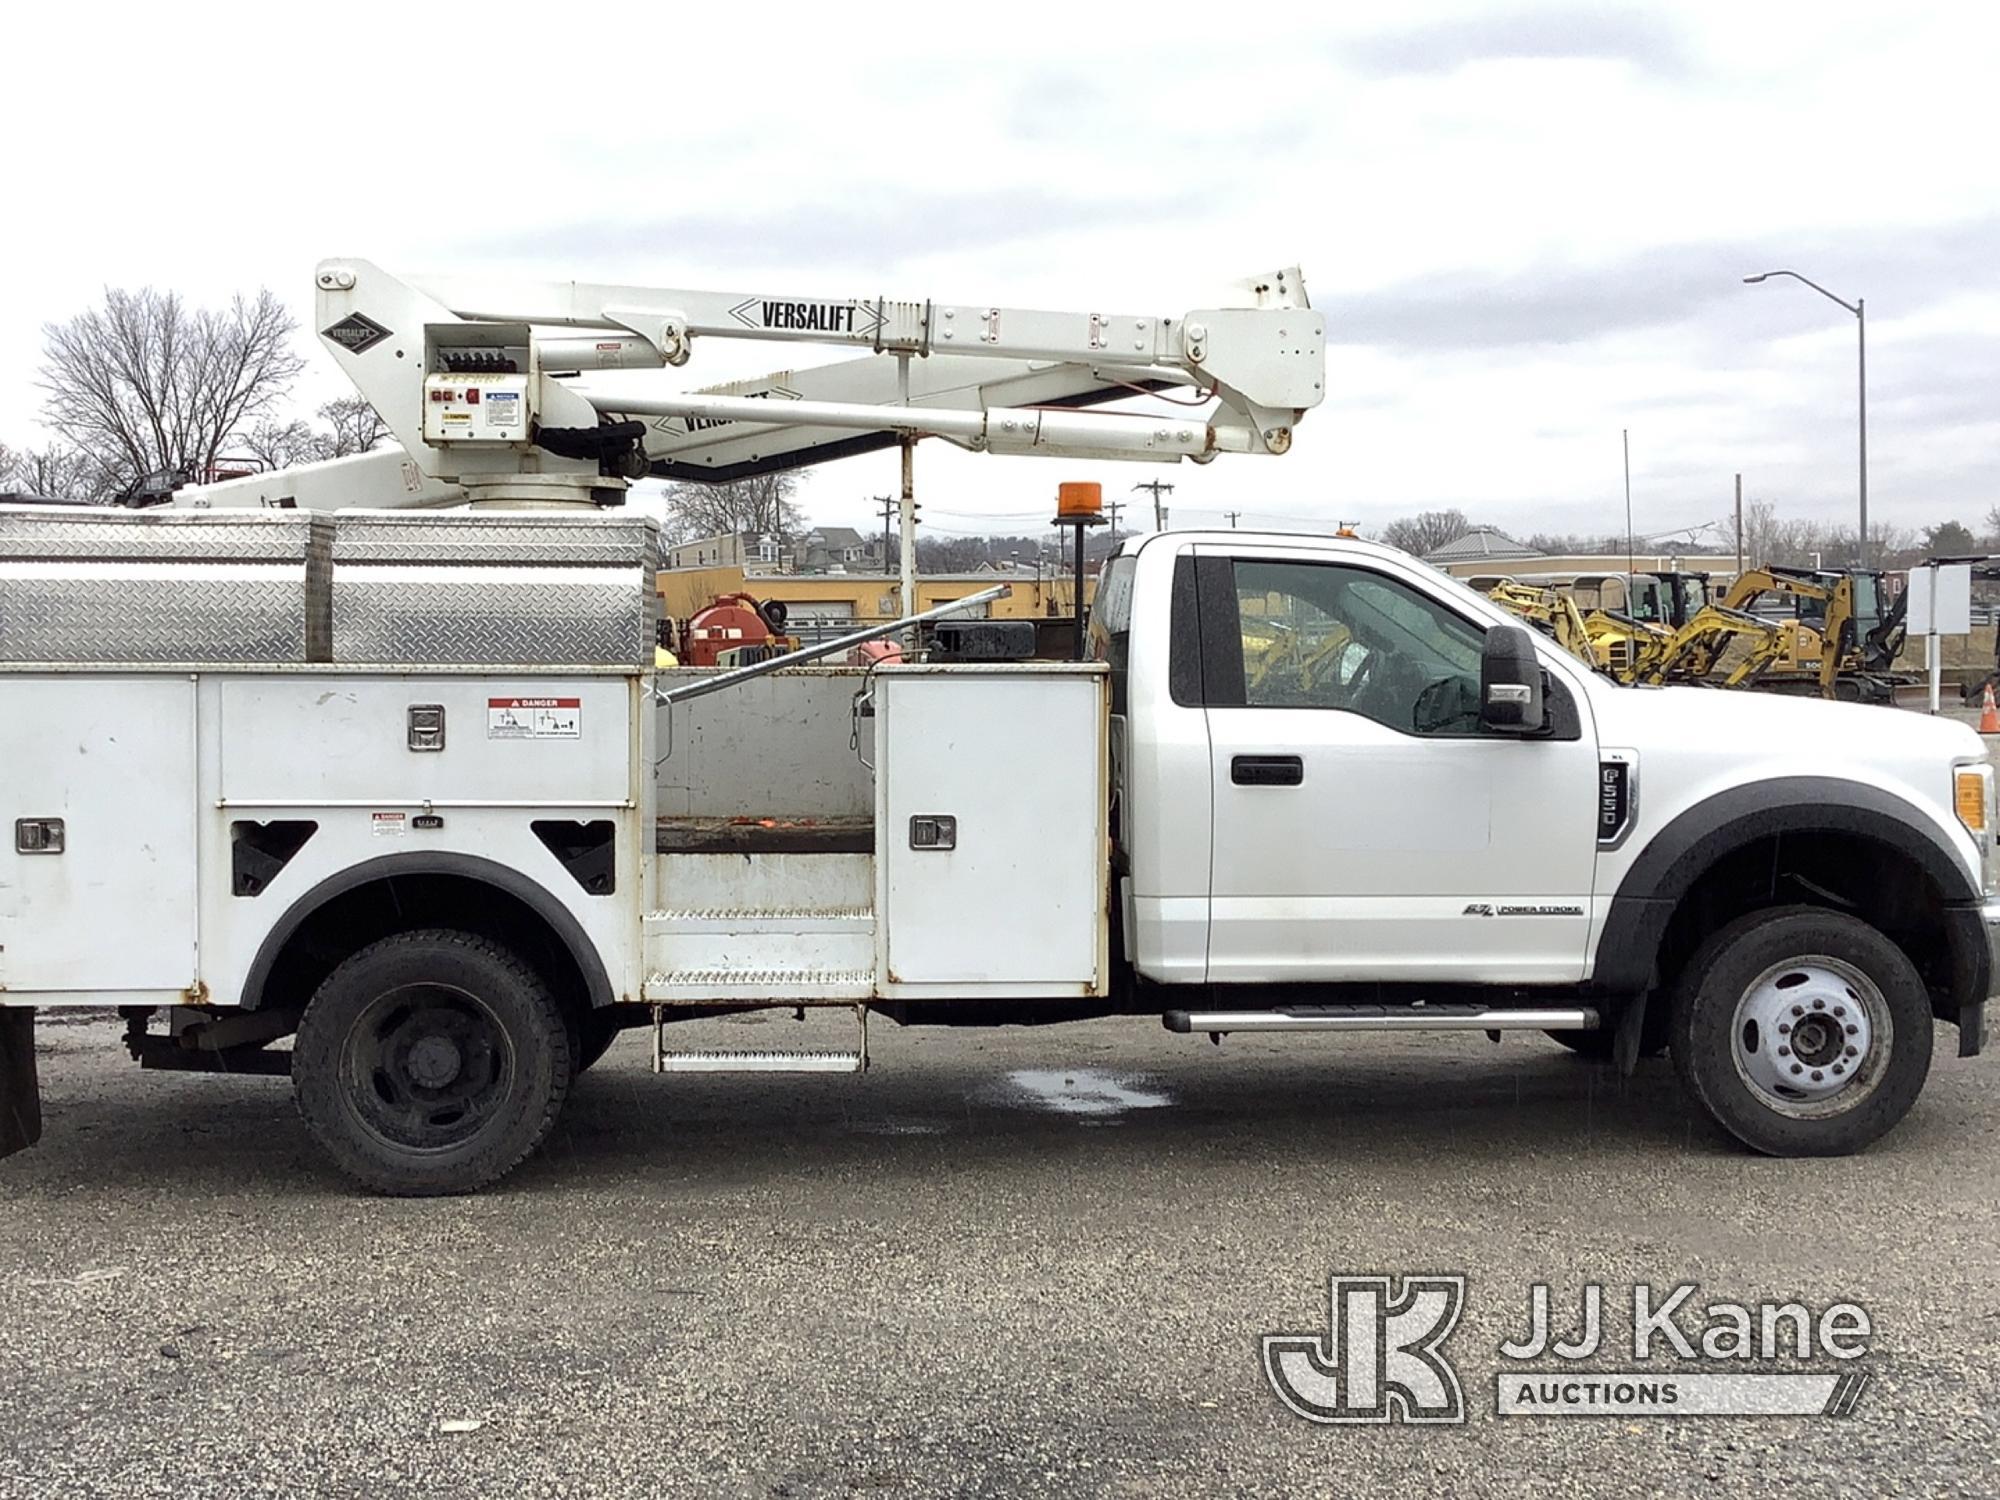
[[1859, 307]]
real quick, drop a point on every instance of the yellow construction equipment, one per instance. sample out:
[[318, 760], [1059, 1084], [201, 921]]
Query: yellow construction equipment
[[1603, 638], [1640, 651], [1718, 646], [1841, 642]]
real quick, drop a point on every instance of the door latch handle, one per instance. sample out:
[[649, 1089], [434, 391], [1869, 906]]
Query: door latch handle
[[1267, 770], [39, 836]]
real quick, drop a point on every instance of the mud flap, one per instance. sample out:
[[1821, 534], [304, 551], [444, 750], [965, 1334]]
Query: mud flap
[[20, 1089]]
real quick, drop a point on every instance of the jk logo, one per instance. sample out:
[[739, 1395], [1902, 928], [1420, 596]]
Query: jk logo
[[1380, 1360]]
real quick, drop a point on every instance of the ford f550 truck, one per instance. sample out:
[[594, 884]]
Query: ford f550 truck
[[404, 792]]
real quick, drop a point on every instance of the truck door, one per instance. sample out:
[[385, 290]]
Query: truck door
[[1365, 828]]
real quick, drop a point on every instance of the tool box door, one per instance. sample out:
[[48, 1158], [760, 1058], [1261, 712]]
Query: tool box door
[[97, 807]]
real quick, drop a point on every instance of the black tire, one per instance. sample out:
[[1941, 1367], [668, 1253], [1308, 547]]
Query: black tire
[[431, 1063], [1718, 1045], [591, 1039]]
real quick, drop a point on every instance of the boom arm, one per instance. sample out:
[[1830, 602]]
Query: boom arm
[[490, 403]]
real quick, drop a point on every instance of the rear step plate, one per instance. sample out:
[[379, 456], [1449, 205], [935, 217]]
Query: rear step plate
[[760, 1062]]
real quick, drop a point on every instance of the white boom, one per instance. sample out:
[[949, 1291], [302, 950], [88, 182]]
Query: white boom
[[487, 388]]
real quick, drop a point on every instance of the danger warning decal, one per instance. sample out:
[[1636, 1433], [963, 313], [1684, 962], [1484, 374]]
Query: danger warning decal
[[534, 718], [357, 333], [781, 315]]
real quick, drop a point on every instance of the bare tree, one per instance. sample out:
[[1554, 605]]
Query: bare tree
[[280, 445], [1426, 532], [54, 473], [146, 384], [762, 505], [353, 426]]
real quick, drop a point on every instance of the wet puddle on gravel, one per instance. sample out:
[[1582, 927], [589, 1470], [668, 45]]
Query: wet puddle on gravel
[[1076, 1091]]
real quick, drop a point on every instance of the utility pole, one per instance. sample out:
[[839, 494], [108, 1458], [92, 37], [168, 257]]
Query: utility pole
[[1739, 525], [1232, 514], [1114, 506], [887, 503], [1625, 435], [907, 511], [1158, 487]]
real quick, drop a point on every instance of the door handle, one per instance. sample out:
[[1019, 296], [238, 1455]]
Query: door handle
[[1267, 770]]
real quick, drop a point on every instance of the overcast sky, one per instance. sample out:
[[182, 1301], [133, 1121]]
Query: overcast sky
[[1527, 224]]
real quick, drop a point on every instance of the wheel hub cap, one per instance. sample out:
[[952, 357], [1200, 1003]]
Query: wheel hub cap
[[435, 1061], [1806, 1030]]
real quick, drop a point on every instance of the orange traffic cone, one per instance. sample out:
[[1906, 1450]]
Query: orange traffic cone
[[1989, 716]]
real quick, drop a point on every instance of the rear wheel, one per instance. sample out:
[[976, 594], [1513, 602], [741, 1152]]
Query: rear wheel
[[430, 1063], [592, 1038], [1802, 1032]]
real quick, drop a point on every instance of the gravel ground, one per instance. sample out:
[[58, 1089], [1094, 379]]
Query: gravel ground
[[1004, 1262]]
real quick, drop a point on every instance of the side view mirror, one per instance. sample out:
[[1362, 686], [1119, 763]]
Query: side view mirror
[[1510, 682]]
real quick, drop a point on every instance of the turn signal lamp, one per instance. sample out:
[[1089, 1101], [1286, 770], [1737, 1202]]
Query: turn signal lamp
[[1972, 788], [1081, 497]]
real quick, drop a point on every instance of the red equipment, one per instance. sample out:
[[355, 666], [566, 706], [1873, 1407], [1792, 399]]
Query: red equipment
[[732, 620]]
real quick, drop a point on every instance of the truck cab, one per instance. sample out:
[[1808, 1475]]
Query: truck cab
[[1313, 791]]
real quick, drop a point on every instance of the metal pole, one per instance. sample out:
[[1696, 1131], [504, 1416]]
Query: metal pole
[[1933, 652], [887, 504], [1625, 435], [1859, 307], [1079, 592], [1861, 324], [1739, 525], [703, 686]]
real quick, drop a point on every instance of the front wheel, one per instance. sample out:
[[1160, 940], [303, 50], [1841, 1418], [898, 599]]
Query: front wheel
[[1802, 1032], [431, 1063]]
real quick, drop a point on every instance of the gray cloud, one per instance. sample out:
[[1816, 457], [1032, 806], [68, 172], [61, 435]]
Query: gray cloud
[[1699, 286], [1572, 31], [853, 231]]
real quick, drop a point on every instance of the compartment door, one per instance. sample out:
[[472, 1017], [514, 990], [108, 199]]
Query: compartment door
[[97, 808], [991, 833]]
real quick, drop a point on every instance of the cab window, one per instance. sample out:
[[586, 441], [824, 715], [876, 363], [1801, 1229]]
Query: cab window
[[1321, 635]]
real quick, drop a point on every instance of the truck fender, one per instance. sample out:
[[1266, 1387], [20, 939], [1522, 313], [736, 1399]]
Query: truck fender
[[1670, 863], [569, 932], [20, 1089]]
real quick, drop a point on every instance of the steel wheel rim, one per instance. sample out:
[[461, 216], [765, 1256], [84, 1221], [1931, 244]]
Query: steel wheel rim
[[426, 1067], [1811, 1037]]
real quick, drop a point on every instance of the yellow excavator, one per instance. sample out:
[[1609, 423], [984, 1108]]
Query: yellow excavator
[[1840, 643], [1718, 646], [1641, 651], [1555, 612]]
